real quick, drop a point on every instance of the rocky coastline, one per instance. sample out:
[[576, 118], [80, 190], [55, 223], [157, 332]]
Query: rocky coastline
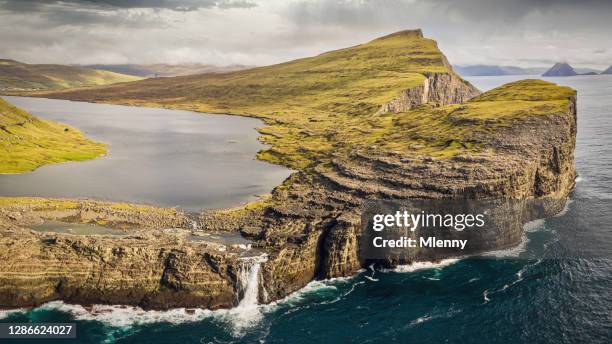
[[309, 227]]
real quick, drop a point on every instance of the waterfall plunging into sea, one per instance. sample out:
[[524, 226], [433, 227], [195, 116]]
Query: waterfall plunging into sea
[[248, 312], [249, 281]]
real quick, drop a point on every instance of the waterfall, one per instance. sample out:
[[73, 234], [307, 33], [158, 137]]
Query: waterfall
[[249, 281], [247, 313]]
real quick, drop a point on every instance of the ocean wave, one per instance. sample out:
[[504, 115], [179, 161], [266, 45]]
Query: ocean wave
[[534, 225], [565, 209], [511, 252], [237, 319], [127, 316], [420, 320], [315, 287], [449, 314], [485, 296], [425, 265], [6, 313], [120, 316], [519, 277]]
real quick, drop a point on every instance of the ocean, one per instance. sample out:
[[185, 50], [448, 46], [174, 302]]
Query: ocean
[[556, 287]]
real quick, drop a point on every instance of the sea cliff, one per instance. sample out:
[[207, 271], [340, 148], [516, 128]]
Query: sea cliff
[[411, 130]]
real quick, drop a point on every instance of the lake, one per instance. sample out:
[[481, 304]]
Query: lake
[[155, 156]]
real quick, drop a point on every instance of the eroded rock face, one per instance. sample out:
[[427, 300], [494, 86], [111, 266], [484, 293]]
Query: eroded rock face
[[154, 265], [527, 165], [151, 270], [438, 88]]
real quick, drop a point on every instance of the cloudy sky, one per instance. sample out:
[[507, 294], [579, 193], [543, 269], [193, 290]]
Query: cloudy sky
[[258, 32]]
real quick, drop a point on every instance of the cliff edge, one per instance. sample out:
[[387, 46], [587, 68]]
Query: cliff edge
[[387, 120]]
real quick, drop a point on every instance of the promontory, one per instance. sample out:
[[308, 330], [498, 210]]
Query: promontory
[[388, 119]]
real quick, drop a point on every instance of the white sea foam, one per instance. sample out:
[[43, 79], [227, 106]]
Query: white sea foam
[[425, 265], [420, 320], [485, 295], [313, 288], [246, 314], [565, 208], [510, 252], [8, 312], [534, 225], [451, 312]]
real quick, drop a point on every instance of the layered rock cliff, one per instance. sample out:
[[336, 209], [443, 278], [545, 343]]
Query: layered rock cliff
[[437, 88], [309, 228], [426, 139]]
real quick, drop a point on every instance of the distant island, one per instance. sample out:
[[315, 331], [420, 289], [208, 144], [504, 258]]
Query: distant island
[[495, 70], [564, 69], [607, 71], [560, 69]]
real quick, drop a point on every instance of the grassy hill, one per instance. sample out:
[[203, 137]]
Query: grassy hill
[[27, 142], [312, 105], [321, 106], [354, 80], [16, 76]]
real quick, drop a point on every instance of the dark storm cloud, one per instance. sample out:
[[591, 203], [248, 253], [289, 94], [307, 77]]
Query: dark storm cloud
[[176, 5]]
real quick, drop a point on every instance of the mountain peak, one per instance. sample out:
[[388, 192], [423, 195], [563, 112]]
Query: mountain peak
[[560, 69], [416, 33], [607, 71]]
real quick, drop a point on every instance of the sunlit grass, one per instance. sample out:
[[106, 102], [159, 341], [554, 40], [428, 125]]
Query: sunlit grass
[[27, 142]]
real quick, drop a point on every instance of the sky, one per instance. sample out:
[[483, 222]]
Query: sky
[[526, 33]]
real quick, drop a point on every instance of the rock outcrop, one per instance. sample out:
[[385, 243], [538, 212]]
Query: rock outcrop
[[531, 167], [437, 88]]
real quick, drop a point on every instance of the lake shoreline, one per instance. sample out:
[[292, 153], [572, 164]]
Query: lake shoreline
[[174, 158]]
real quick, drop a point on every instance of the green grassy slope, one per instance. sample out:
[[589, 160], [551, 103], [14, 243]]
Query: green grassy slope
[[27, 142], [306, 103], [449, 130], [16, 76], [327, 104], [354, 80]]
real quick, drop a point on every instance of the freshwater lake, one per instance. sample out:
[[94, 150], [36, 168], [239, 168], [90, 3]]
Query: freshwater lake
[[162, 157]]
